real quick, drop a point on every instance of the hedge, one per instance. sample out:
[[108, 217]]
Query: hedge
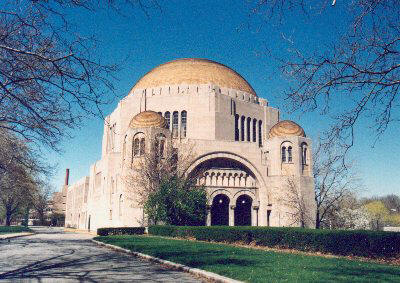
[[120, 231], [14, 229], [375, 244]]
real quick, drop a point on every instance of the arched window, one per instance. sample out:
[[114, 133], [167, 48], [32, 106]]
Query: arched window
[[286, 152], [136, 147], [260, 133], [236, 127], [167, 117], [242, 128], [254, 130], [142, 147], [304, 154], [159, 145], [283, 153], [248, 128], [183, 123], [289, 151], [175, 120]]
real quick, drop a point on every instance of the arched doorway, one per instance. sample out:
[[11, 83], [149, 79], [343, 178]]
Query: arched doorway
[[220, 210], [243, 211]]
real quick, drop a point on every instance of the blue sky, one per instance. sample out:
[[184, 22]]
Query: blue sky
[[221, 31]]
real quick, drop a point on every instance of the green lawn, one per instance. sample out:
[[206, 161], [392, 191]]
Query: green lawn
[[256, 265], [13, 229]]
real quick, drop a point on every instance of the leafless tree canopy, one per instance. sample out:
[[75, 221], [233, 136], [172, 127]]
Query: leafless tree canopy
[[149, 170], [50, 76], [360, 67], [334, 183]]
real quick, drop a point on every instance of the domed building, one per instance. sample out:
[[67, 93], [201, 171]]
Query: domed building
[[257, 170]]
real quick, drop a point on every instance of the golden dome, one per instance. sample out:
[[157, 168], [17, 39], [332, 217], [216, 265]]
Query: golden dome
[[286, 128], [147, 119], [194, 71]]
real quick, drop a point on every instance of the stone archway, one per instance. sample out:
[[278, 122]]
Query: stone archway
[[220, 210], [243, 210]]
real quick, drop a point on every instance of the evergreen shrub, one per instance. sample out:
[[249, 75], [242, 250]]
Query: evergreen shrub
[[375, 244]]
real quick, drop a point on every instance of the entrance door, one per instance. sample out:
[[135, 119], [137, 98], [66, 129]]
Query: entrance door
[[243, 211], [220, 210]]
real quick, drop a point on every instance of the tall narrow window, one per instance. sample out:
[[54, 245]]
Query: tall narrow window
[[236, 127], [136, 147], [242, 128], [183, 124], [175, 119], [159, 145], [260, 133], [160, 113], [142, 146], [304, 154], [283, 154], [289, 152], [167, 117], [248, 128], [254, 130]]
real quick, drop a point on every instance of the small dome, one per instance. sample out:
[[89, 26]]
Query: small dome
[[286, 128], [194, 71], [147, 119]]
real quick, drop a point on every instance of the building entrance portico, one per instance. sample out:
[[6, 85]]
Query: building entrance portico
[[243, 211], [220, 210], [228, 210]]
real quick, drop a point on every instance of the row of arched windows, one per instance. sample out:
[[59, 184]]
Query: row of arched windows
[[248, 129], [174, 126], [139, 145], [287, 153]]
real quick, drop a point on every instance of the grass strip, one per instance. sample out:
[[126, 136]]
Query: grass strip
[[13, 229], [256, 265]]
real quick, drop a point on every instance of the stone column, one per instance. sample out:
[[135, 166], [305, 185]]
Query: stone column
[[245, 129], [232, 215], [240, 127], [208, 221], [257, 132], [254, 216]]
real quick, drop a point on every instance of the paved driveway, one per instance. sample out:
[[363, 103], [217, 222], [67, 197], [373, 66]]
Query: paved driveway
[[57, 256]]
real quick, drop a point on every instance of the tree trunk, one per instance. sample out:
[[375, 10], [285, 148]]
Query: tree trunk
[[317, 221], [8, 219]]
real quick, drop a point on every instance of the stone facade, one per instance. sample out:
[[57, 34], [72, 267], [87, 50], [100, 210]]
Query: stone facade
[[253, 165]]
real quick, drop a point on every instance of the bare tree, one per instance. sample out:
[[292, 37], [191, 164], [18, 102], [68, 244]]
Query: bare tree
[[297, 207], [20, 173], [50, 76], [359, 64], [40, 202], [149, 170], [334, 182]]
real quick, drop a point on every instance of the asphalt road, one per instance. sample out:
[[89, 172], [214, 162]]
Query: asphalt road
[[53, 255]]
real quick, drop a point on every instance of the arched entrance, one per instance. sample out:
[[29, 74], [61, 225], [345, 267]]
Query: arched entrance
[[243, 211], [220, 210]]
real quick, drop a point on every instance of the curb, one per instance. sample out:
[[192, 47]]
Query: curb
[[14, 235], [177, 266]]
